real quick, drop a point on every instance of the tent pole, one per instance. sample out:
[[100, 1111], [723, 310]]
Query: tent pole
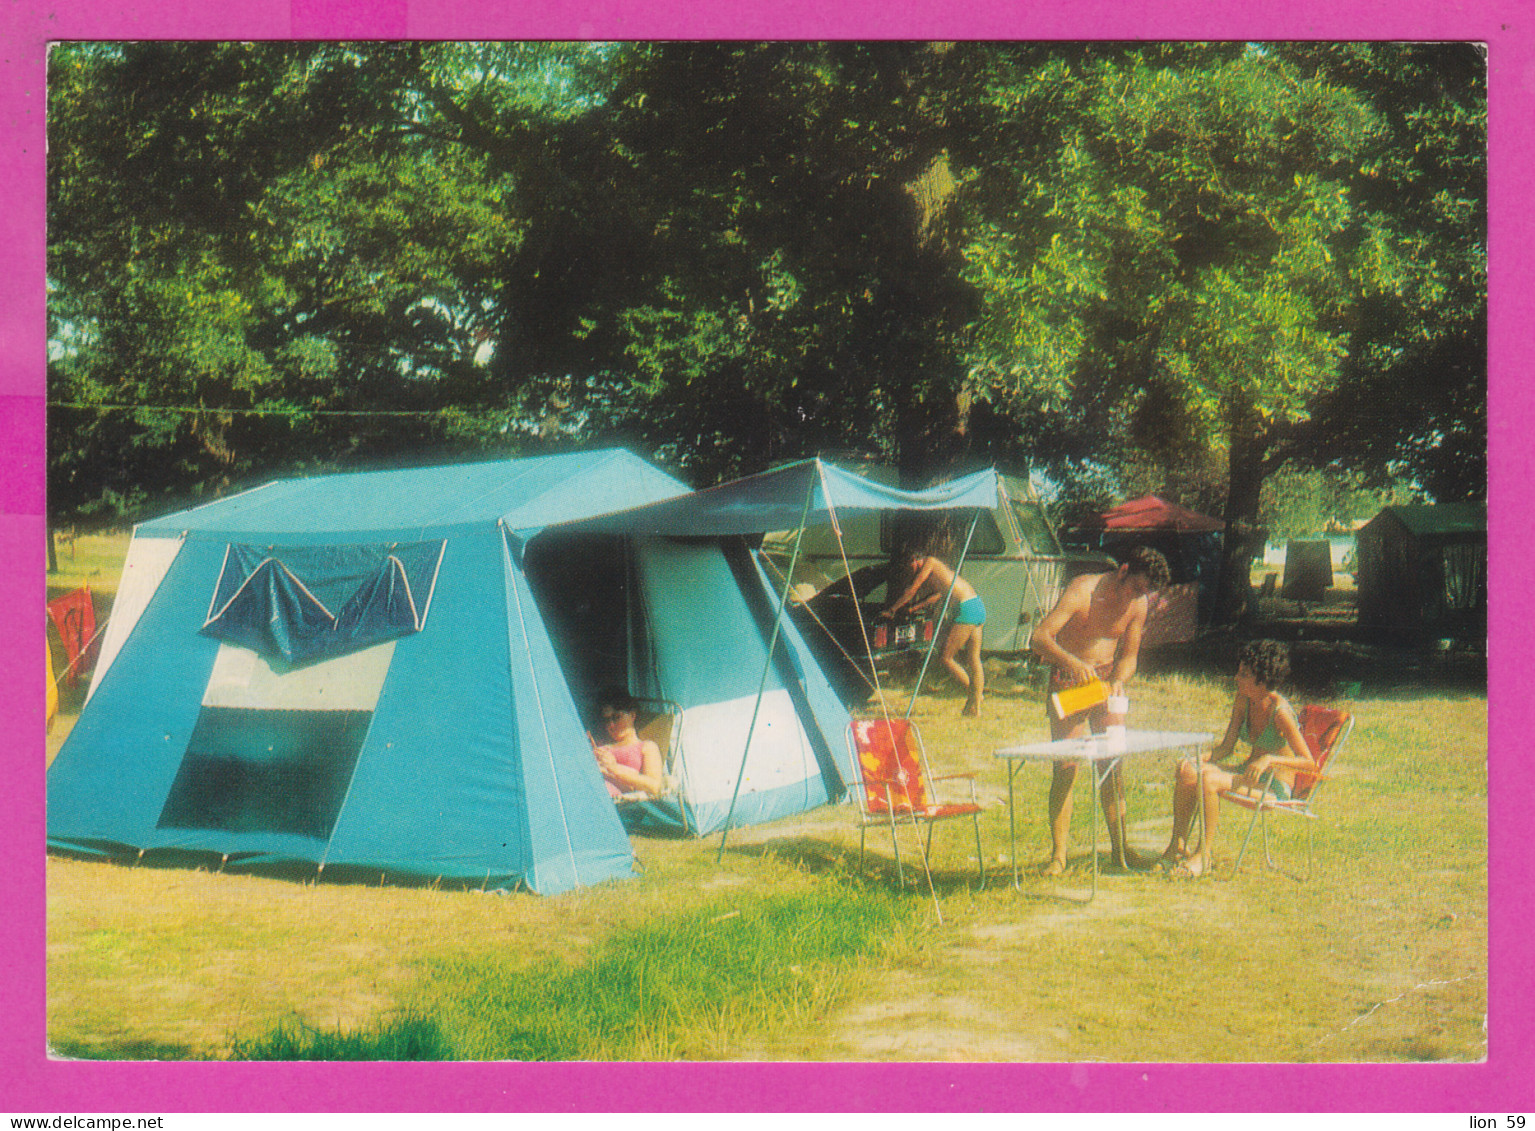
[[943, 612], [767, 665], [873, 685]]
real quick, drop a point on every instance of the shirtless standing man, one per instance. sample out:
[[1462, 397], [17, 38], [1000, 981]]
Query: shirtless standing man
[[934, 576], [1094, 631]]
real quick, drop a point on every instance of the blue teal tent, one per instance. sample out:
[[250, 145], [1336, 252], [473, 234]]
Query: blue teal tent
[[746, 751], [386, 671], [351, 672]]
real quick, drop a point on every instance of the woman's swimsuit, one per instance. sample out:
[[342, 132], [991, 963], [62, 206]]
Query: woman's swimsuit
[[631, 755], [1270, 739]]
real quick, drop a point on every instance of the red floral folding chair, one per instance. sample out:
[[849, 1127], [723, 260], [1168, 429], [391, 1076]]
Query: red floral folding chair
[[1325, 730], [894, 788]]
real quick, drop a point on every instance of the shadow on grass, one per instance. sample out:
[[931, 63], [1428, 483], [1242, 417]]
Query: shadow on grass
[[820, 858], [1332, 667], [122, 1050], [408, 1038], [301, 872]]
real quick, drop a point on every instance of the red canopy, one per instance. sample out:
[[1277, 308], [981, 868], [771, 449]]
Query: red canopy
[[1152, 513]]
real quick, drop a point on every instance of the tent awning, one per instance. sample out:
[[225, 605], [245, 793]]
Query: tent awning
[[776, 500]]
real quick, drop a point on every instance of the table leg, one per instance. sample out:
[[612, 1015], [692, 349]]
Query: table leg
[[1012, 828], [1093, 804], [1121, 804]]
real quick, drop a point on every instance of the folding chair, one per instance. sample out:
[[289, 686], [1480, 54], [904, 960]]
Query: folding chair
[[1325, 730], [660, 721], [893, 787]]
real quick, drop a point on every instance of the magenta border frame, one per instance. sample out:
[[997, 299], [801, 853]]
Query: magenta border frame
[[29, 1082]]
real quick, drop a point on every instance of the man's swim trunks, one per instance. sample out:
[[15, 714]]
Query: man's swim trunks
[[971, 612]]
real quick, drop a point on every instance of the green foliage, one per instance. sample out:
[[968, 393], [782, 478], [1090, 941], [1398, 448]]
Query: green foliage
[[1415, 399], [280, 257], [247, 236], [1180, 240], [1299, 501]]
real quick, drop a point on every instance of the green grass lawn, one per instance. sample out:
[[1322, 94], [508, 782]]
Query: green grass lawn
[[785, 950]]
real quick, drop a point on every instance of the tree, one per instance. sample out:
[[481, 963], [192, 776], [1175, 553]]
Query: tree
[[1412, 404], [260, 258], [1099, 259], [1179, 262], [745, 261]]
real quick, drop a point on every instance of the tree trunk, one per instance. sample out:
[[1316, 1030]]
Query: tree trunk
[[932, 438], [53, 553], [1247, 469]]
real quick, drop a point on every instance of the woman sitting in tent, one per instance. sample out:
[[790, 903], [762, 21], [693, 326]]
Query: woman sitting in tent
[[629, 764]]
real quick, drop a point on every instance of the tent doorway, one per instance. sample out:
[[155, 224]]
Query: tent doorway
[[588, 596]]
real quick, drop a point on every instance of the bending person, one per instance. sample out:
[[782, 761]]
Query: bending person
[[1259, 715], [1094, 632], [933, 579], [629, 763]]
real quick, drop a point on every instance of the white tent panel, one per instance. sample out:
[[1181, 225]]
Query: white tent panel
[[148, 561], [714, 734], [242, 678]]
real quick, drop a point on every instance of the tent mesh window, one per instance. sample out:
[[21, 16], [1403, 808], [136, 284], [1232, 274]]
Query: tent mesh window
[[266, 771]]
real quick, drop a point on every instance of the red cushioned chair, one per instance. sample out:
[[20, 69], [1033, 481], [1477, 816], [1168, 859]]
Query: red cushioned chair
[[1325, 730], [894, 787]]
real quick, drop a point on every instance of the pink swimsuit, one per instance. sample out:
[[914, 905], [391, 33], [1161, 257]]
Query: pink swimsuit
[[630, 755]]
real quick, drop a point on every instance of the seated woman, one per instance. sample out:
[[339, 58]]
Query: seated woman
[[1259, 715], [629, 763]]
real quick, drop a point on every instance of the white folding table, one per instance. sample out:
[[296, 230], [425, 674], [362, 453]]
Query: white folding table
[[1101, 753]]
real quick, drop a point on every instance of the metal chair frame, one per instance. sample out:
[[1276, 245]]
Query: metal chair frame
[[1263, 804], [671, 752], [897, 808]]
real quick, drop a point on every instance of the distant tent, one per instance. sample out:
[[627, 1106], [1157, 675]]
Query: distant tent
[[1191, 543], [1422, 571], [1307, 570], [352, 672], [704, 676]]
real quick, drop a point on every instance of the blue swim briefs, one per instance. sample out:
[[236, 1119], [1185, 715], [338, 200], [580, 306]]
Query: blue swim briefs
[[972, 611]]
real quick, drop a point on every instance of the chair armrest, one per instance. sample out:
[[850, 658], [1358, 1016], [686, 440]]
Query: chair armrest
[[960, 777]]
